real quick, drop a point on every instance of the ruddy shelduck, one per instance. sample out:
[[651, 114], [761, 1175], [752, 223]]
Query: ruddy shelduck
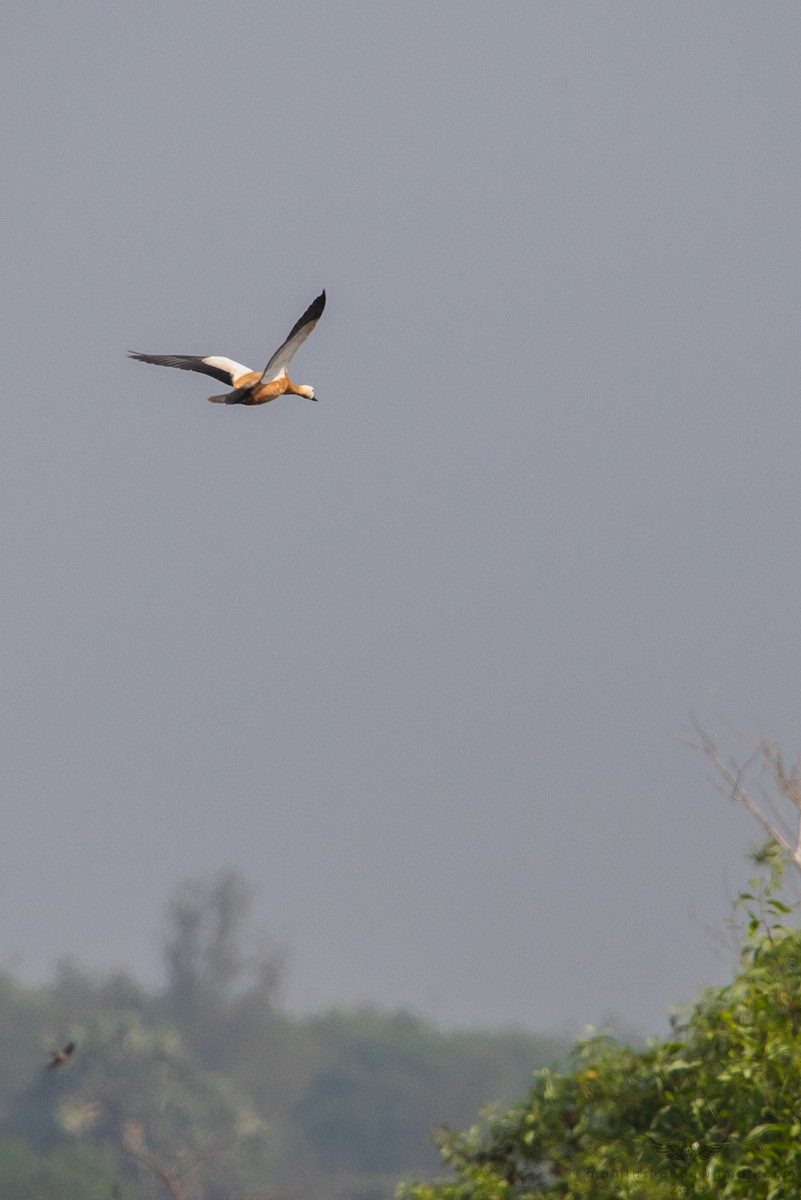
[[250, 387]]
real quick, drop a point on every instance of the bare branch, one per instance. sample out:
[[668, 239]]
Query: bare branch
[[731, 780]]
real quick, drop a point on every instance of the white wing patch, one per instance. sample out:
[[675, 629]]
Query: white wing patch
[[235, 369]]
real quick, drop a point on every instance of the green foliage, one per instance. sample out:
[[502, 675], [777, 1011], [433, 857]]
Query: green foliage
[[713, 1112], [68, 1173]]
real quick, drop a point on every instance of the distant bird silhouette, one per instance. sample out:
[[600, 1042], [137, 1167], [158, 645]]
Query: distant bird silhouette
[[250, 387], [60, 1056]]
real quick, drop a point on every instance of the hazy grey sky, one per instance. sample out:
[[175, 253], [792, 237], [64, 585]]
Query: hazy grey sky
[[415, 658]]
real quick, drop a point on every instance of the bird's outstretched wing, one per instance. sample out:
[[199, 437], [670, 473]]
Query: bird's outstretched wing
[[279, 362], [224, 369]]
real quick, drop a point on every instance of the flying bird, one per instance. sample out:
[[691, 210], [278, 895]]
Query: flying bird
[[60, 1056], [250, 387]]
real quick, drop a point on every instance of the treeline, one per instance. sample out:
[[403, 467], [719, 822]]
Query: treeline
[[209, 1088]]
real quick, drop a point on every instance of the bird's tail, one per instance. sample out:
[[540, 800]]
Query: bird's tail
[[237, 396]]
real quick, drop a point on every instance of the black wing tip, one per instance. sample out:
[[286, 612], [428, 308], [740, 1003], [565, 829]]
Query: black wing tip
[[157, 360], [311, 315], [315, 309]]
